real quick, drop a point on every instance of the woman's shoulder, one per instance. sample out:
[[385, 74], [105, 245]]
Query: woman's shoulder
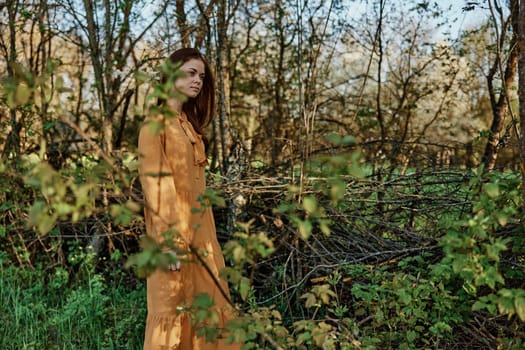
[[155, 124], [155, 118], [169, 126], [149, 134]]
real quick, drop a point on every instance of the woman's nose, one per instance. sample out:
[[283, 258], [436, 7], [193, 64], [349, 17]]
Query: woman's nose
[[195, 77]]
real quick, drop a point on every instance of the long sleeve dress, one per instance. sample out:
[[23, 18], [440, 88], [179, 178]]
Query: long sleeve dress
[[172, 176]]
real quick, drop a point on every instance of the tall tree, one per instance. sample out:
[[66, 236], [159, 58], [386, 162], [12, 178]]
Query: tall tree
[[223, 78], [8, 47], [112, 46], [27, 46], [504, 68], [521, 92], [407, 80]]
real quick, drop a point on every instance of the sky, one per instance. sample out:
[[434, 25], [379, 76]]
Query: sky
[[464, 19], [458, 19]]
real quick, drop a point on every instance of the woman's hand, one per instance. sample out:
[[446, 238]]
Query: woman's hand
[[176, 266]]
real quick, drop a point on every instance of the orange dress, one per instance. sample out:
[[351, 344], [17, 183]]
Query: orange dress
[[172, 176]]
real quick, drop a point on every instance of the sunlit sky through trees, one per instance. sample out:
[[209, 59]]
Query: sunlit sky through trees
[[462, 19], [455, 18]]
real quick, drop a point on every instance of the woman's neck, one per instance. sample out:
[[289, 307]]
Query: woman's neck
[[175, 104]]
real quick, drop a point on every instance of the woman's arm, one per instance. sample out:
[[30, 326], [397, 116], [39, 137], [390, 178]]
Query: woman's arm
[[160, 195]]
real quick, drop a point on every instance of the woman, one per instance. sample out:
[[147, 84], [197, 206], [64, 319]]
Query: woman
[[171, 172]]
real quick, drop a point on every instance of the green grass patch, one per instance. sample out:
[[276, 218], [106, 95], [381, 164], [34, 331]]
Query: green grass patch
[[40, 313]]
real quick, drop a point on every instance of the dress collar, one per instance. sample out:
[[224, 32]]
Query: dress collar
[[195, 139]]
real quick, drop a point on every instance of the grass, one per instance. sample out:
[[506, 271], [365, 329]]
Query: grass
[[37, 314]]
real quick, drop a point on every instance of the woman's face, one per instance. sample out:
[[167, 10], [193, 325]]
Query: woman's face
[[191, 83]]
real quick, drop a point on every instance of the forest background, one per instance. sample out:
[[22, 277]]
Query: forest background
[[366, 168]]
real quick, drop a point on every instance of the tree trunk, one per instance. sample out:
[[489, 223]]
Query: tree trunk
[[223, 84], [500, 108], [521, 92], [12, 145], [276, 115], [98, 69], [379, 44], [182, 23], [204, 28]]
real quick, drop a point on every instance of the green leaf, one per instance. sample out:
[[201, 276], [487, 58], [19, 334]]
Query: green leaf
[[46, 223], [486, 302], [133, 206], [311, 299], [334, 139], [324, 292], [244, 288], [479, 305], [213, 319], [202, 300], [284, 208], [39, 216], [305, 229], [239, 254], [348, 140], [200, 316], [141, 77], [63, 208], [506, 305], [155, 127], [310, 204], [38, 209], [337, 190], [502, 218], [143, 258], [404, 296], [277, 315], [324, 225], [22, 94], [303, 338], [491, 189], [356, 170], [231, 275], [320, 334], [411, 336], [519, 304]]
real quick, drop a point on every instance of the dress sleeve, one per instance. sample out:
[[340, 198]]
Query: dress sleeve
[[158, 187]]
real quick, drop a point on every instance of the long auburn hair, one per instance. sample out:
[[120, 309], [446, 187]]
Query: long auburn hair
[[199, 110]]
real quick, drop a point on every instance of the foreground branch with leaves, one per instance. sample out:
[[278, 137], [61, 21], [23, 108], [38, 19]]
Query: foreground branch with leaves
[[347, 259]]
